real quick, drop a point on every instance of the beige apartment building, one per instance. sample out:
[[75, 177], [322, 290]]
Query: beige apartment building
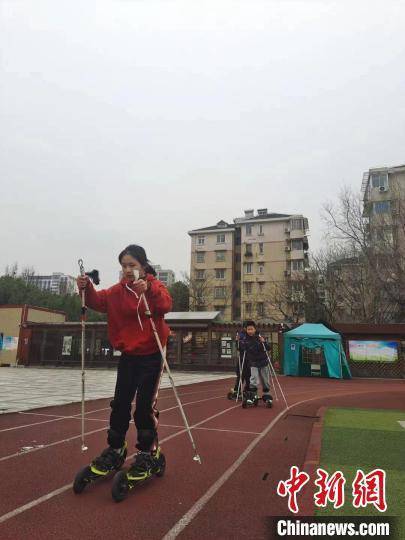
[[383, 191], [249, 268]]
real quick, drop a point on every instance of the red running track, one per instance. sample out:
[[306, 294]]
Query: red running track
[[245, 453]]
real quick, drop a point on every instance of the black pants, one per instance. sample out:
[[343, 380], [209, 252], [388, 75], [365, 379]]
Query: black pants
[[245, 374], [140, 375]]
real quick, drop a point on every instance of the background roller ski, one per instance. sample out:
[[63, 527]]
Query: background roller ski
[[267, 400], [250, 399], [146, 466], [109, 461]]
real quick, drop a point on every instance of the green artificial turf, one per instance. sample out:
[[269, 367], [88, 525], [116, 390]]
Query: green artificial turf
[[364, 439]]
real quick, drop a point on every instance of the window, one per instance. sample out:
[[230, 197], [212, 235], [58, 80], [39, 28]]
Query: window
[[261, 230], [220, 309], [379, 179], [219, 292], [237, 276], [261, 268], [297, 224], [297, 287], [248, 288], [220, 273], [382, 207], [200, 240], [260, 309], [220, 256], [248, 308], [248, 230], [297, 265], [201, 257], [261, 249], [383, 235], [248, 268], [237, 258], [261, 286], [200, 274], [297, 245], [248, 251], [220, 239]]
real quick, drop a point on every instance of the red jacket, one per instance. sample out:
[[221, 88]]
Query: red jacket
[[129, 329]]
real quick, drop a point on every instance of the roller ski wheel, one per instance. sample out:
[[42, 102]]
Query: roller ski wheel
[[268, 401], [120, 487], [249, 402], [82, 479], [145, 467], [101, 467]]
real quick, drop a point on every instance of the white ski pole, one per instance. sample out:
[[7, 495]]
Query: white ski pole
[[275, 375], [240, 389], [83, 352], [166, 366]]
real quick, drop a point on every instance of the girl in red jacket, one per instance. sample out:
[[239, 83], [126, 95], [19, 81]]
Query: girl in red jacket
[[140, 365]]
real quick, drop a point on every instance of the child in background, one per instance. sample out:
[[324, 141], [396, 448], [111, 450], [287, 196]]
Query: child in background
[[255, 347]]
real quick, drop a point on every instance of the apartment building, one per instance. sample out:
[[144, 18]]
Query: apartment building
[[57, 283], [383, 190], [246, 269]]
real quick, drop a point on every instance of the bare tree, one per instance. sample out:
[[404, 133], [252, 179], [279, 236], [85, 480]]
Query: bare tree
[[369, 277], [11, 271], [27, 273], [200, 290]]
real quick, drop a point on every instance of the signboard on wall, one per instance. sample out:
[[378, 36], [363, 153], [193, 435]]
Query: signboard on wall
[[10, 343], [226, 347], [373, 351]]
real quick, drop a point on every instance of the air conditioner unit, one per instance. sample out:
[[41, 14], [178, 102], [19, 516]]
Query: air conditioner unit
[[383, 189], [287, 273], [287, 248], [287, 230]]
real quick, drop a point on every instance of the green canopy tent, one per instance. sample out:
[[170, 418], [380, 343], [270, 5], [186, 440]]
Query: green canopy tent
[[313, 349]]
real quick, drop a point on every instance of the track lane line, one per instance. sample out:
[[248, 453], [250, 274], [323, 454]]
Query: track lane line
[[55, 443], [90, 412], [56, 492], [200, 504]]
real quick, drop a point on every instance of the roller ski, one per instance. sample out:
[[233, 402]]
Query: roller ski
[[146, 466], [108, 462], [250, 399], [232, 394], [267, 400]]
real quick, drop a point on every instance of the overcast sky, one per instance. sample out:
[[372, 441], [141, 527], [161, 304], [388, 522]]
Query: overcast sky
[[136, 121]]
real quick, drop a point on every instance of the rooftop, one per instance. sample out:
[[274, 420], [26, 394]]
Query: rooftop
[[221, 225]]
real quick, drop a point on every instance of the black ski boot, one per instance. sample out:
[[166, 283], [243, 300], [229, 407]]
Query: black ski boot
[[145, 466], [250, 398], [108, 461], [268, 400]]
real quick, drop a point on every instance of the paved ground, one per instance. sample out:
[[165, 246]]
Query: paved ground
[[23, 389], [245, 453]]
